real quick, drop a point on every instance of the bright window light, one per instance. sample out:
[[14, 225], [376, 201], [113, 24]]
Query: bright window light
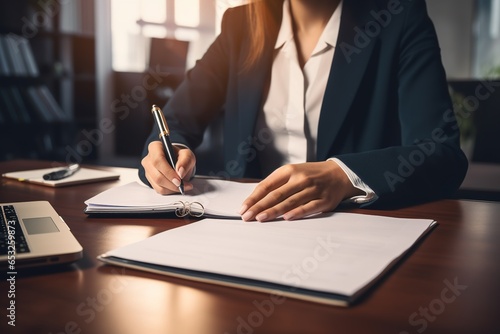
[[495, 19], [126, 32], [187, 13], [155, 31], [154, 11], [124, 15], [184, 34], [134, 22]]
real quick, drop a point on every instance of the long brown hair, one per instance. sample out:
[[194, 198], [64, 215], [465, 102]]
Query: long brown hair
[[262, 15]]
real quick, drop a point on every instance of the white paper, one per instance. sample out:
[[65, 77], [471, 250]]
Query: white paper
[[218, 197], [337, 253]]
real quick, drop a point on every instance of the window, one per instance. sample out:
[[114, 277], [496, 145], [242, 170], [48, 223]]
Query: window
[[187, 13], [487, 33], [134, 22]]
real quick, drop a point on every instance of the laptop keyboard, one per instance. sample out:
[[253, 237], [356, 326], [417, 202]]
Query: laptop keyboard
[[10, 221]]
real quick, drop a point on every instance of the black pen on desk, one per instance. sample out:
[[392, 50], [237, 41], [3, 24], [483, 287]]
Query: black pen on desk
[[62, 174], [165, 138]]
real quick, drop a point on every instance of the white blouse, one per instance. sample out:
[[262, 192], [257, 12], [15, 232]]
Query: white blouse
[[293, 103]]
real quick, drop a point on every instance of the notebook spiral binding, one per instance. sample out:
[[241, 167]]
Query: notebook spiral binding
[[193, 209]]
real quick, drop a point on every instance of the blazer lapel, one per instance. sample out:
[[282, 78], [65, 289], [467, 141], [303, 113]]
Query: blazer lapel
[[251, 86], [352, 55]]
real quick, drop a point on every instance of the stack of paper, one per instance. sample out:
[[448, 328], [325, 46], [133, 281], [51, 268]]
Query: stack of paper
[[329, 259]]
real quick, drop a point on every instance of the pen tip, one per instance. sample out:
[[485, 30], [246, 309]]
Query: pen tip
[[181, 188]]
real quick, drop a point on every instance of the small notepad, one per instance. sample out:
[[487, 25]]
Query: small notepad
[[84, 175], [209, 198]]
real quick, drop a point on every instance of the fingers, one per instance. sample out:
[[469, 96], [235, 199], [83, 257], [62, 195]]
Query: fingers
[[275, 195], [308, 209], [289, 201], [157, 170], [295, 191], [186, 161], [162, 177], [273, 181], [272, 191], [268, 208]]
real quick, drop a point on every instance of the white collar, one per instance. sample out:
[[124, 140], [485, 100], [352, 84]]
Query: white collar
[[328, 37]]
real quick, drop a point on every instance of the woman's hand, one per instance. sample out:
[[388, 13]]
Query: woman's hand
[[162, 177], [299, 190]]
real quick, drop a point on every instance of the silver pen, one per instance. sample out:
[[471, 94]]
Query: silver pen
[[63, 173]]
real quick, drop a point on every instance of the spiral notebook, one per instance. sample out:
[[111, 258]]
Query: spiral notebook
[[209, 198]]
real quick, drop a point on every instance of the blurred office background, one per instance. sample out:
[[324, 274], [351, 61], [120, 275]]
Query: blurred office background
[[88, 71]]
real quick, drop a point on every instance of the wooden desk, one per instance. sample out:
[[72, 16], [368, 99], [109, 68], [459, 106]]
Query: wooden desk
[[88, 297]]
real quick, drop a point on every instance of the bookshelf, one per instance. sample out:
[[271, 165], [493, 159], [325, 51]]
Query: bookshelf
[[47, 84]]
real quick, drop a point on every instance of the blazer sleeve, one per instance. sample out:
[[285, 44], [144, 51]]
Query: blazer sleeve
[[429, 163], [200, 97]]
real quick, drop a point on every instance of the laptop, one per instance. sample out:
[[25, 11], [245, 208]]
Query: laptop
[[32, 234]]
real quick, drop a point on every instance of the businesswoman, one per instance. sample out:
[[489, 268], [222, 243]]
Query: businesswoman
[[326, 100]]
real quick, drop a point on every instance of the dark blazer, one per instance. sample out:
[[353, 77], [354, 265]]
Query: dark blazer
[[386, 112]]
